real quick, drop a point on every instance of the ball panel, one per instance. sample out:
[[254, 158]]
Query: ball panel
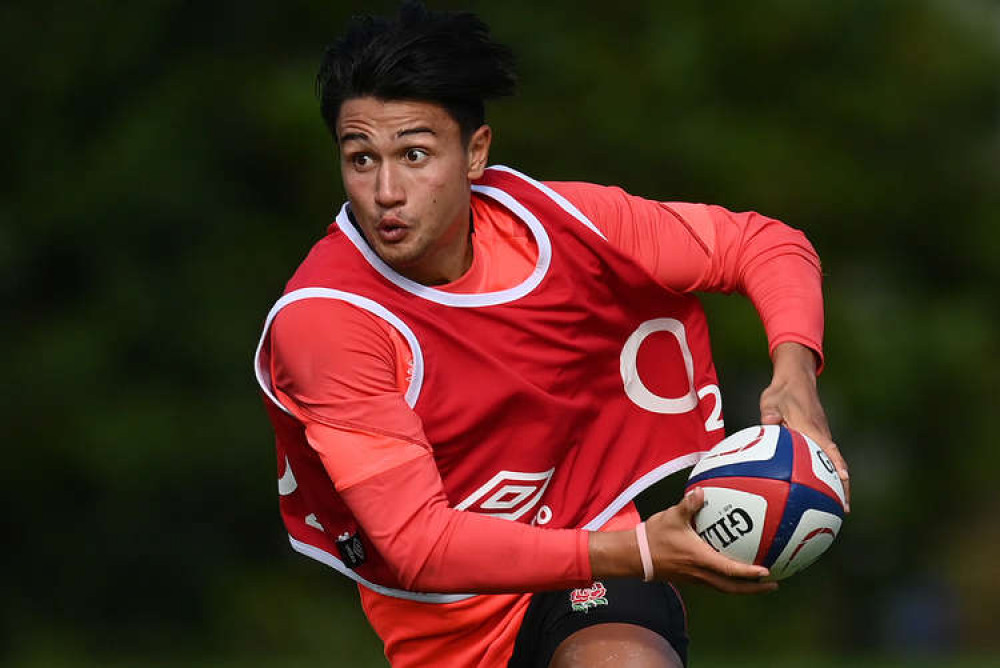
[[747, 444], [732, 522], [741, 515], [814, 469], [814, 533], [756, 452], [802, 472], [826, 473], [801, 499]]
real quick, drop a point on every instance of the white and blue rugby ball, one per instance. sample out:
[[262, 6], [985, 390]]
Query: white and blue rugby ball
[[772, 498]]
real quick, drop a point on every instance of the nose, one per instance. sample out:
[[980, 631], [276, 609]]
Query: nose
[[389, 190]]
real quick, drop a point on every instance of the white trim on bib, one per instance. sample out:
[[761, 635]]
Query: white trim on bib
[[417, 379], [564, 203], [461, 300], [333, 562]]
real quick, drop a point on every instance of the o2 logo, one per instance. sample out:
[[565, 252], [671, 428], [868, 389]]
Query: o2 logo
[[641, 395]]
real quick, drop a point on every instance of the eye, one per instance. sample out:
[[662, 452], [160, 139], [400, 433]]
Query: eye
[[361, 160], [415, 155]]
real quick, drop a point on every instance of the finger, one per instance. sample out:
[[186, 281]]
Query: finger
[[706, 559], [735, 585], [840, 464], [732, 569], [845, 480], [833, 452]]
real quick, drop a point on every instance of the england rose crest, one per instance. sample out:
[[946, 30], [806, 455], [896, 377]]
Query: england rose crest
[[590, 597]]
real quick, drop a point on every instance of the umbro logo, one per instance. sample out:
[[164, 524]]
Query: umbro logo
[[508, 494]]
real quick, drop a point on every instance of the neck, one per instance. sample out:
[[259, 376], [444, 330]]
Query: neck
[[441, 270]]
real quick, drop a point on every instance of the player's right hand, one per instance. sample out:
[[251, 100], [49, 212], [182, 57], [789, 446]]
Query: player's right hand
[[679, 553]]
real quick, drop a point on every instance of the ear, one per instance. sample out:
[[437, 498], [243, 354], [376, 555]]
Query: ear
[[478, 151]]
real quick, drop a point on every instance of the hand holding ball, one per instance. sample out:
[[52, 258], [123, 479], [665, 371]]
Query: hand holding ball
[[772, 498]]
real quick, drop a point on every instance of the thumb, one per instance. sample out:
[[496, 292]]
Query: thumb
[[769, 414], [691, 504]]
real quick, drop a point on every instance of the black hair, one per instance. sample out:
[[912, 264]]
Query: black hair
[[446, 58]]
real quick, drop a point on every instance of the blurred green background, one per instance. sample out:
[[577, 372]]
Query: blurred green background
[[168, 168]]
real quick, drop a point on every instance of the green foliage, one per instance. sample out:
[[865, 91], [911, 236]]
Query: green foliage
[[167, 168]]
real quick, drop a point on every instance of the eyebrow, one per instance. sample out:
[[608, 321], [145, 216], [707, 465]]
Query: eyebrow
[[361, 136], [414, 131], [353, 136]]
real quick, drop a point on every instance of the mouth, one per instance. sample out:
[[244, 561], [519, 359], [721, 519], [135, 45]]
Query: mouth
[[391, 229]]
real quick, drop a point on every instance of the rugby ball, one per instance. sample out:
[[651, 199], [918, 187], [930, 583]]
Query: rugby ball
[[772, 498]]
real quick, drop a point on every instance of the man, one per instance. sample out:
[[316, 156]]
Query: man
[[474, 373]]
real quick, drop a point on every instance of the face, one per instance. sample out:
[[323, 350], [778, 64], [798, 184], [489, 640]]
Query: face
[[407, 175]]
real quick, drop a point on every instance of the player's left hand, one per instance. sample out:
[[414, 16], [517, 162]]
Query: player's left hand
[[792, 399]]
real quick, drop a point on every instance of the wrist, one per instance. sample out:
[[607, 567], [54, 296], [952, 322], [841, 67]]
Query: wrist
[[614, 554], [794, 359]]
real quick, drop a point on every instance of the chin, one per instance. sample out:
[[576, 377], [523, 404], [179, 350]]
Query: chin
[[398, 258]]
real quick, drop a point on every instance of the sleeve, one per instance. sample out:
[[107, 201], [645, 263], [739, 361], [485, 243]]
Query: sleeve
[[697, 247], [336, 365], [342, 373]]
